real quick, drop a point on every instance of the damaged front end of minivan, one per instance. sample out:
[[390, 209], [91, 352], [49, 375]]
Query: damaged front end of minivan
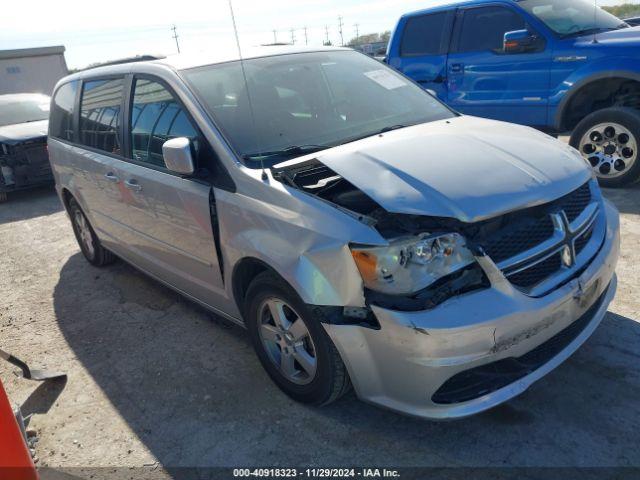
[[466, 313]]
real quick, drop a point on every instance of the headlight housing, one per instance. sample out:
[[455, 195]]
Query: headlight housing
[[410, 264]]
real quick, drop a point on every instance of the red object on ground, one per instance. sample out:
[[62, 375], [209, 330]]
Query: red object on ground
[[15, 459]]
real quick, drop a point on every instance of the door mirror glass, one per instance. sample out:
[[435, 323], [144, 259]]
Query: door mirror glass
[[177, 155], [520, 41]]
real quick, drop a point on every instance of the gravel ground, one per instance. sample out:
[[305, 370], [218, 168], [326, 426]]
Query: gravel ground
[[154, 378]]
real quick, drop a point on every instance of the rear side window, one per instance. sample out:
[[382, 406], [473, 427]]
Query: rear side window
[[484, 28], [61, 118], [156, 117], [100, 114], [423, 35]]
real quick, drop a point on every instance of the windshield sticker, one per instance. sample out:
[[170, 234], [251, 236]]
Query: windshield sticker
[[386, 79]]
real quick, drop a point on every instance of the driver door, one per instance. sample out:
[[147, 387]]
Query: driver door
[[485, 81]]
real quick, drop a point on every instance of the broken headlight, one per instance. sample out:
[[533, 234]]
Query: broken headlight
[[410, 264]]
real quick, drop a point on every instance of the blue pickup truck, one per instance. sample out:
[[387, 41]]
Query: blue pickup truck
[[556, 65]]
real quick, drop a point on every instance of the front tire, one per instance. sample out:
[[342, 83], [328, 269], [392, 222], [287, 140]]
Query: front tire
[[291, 343], [90, 245], [609, 139]]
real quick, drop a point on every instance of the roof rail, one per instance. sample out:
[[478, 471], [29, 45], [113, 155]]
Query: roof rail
[[137, 58]]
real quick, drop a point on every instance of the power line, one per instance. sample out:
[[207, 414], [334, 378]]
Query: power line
[[175, 36], [340, 24]]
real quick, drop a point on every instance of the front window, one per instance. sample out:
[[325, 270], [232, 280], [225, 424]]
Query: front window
[[23, 109], [298, 103], [572, 17]]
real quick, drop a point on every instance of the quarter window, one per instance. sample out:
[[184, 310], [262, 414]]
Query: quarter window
[[484, 28], [61, 121], [100, 115], [423, 35], [156, 117]]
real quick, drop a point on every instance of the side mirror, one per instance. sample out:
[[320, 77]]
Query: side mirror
[[520, 41], [177, 155]]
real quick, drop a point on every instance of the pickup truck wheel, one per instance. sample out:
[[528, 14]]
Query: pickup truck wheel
[[90, 246], [291, 343], [609, 140]]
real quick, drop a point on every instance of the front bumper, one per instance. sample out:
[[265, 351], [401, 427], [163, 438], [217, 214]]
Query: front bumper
[[402, 365]]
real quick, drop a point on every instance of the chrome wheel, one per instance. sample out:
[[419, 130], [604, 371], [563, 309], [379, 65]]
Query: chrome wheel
[[85, 233], [287, 341], [610, 148]]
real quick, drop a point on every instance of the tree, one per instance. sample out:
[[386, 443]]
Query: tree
[[627, 10], [369, 38]]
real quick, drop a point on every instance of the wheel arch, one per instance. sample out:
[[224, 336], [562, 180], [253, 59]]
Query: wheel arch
[[567, 117]]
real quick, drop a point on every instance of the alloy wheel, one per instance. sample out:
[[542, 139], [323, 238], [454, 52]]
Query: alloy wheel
[[85, 233], [287, 341], [610, 148]]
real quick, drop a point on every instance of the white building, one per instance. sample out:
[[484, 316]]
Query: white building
[[31, 70]]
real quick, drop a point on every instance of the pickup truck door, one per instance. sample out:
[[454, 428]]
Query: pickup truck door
[[421, 52], [482, 80]]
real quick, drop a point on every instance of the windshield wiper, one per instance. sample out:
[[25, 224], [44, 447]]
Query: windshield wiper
[[390, 128], [285, 152]]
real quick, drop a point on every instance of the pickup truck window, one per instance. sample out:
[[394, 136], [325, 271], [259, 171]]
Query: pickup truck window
[[423, 35], [483, 28], [572, 17]]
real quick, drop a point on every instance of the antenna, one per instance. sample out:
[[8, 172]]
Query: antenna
[[246, 84], [595, 12], [175, 36]]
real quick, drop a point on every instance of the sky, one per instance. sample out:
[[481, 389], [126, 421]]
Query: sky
[[100, 31]]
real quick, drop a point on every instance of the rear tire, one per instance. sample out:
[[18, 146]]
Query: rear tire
[[299, 357], [91, 248], [609, 139]]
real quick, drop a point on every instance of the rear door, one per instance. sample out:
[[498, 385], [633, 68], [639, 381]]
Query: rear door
[[484, 81], [421, 52], [168, 214], [96, 159]]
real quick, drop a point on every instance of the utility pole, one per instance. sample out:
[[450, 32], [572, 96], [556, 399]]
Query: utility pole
[[175, 36], [340, 24], [326, 35], [357, 25], [275, 36], [293, 36], [306, 38]]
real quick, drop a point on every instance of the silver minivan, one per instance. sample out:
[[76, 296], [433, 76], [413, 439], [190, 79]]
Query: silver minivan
[[364, 234]]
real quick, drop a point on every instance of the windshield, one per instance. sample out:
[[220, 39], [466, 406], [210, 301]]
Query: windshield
[[300, 103], [567, 17], [22, 109]]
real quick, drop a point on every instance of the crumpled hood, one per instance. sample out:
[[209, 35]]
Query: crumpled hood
[[466, 168], [18, 133]]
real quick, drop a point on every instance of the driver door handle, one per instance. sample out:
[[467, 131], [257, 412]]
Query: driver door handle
[[133, 184]]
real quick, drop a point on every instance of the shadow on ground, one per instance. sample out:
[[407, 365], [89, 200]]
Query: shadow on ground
[[627, 200], [27, 204], [190, 387]]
